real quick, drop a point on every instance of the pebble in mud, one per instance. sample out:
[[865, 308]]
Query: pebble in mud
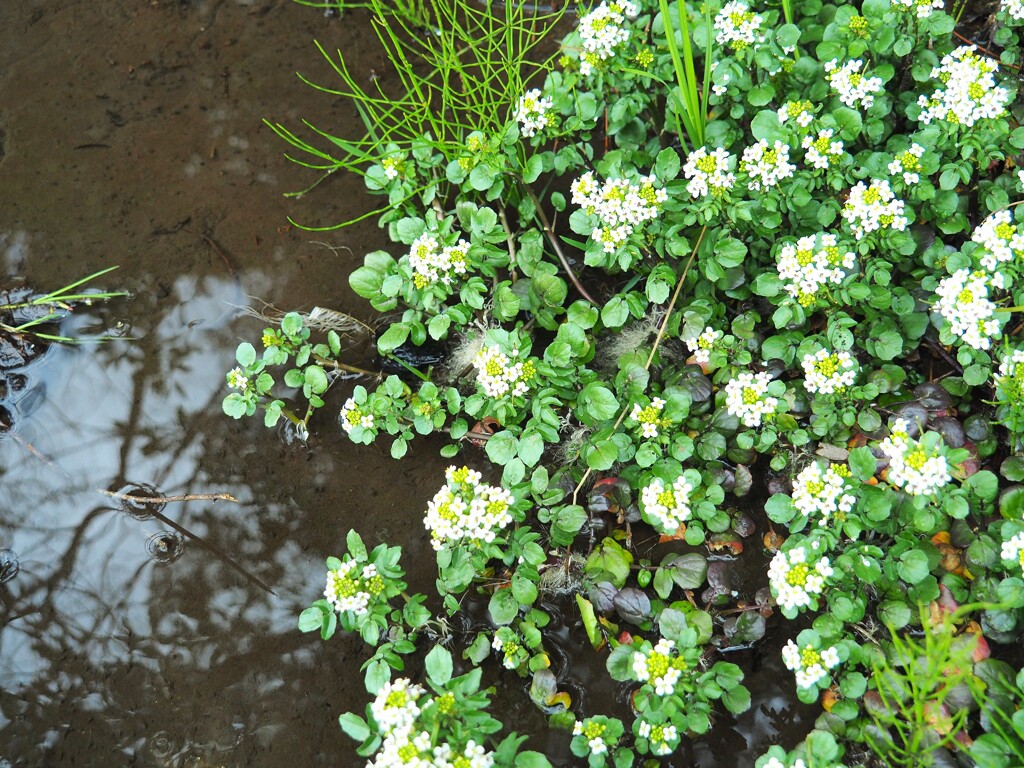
[[9, 565], [165, 546]]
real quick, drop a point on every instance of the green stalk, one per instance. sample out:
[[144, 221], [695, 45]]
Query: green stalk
[[687, 100]]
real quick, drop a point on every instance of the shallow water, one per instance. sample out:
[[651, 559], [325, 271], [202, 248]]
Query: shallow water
[[130, 134]]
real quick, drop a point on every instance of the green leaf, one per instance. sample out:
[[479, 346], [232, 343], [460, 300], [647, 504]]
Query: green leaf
[[354, 545], [354, 726], [589, 621], [913, 566], [393, 337], [316, 379], [599, 401], [600, 456], [666, 165], [530, 759], [439, 665], [862, 463], [503, 607], [502, 447], [234, 406], [611, 560], [245, 354], [531, 447], [311, 619]]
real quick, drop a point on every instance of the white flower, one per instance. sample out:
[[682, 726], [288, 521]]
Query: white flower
[[649, 417], [667, 508], [708, 173], [853, 87], [661, 667], [499, 376], [619, 204], [827, 374], [236, 379], [1014, 7], [346, 592], [662, 738], [969, 92], [908, 163], [917, 469], [822, 149], [875, 207], [603, 31], [431, 263], [802, 112], [1009, 379], [352, 416], [395, 707], [392, 165], [923, 8], [702, 345], [467, 511], [1000, 238], [965, 305], [766, 166], [532, 112], [814, 261], [1014, 549], [746, 398], [823, 492], [810, 665], [737, 26], [795, 582]]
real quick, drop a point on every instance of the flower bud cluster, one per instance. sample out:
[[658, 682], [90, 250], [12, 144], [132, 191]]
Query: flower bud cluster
[[353, 416], [999, 236], [824, 492], [708, 173], [822, 149], [663, 738], [908, 163], [802, 112], [738, 27], [796, 582], [499, 376], [649, 417], [828, 373], [667, 508], [702, 345], [603, 30], [809, 664], [660, 667], [922, 8], [349, 590]]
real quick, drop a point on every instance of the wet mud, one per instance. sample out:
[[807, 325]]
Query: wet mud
[[145, 635]]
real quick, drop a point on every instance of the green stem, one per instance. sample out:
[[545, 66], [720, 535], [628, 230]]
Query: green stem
[[339, 366]]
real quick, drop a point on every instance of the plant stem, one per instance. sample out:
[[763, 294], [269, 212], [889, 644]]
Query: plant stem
[[339, 366], [553, 239], [165, 499]]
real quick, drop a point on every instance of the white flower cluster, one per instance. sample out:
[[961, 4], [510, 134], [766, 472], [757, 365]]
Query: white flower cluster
[[766, 166], [823, 492], [702, 345], [822, 149], [969, 91], [708, 173], [432, 264], [809, 664], [923, 8], [466, 511], [1014, 549], [649, 418], [396, 709], [663, 738], [796, 582], [352, 416], [812, 262], [849, 82], [908, 163], [1013, 7], [999, 236], [667, 508], [508, 650], [350, 591], [593, 731], [499, 376], [916, 469], [602, 31], [870, 208], [828, 373], [620, 205], [737, 26], [802, 112], [746, 398], [237, 379], [965, 305], [392, 165], [532, 112], [660, 667], [1009, 379]]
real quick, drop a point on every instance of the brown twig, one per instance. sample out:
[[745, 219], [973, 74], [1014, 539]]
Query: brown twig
[[166, 499], [983, 50]]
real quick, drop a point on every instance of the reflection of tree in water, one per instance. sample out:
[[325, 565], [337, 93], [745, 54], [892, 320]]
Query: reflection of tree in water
[[110, 653]]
